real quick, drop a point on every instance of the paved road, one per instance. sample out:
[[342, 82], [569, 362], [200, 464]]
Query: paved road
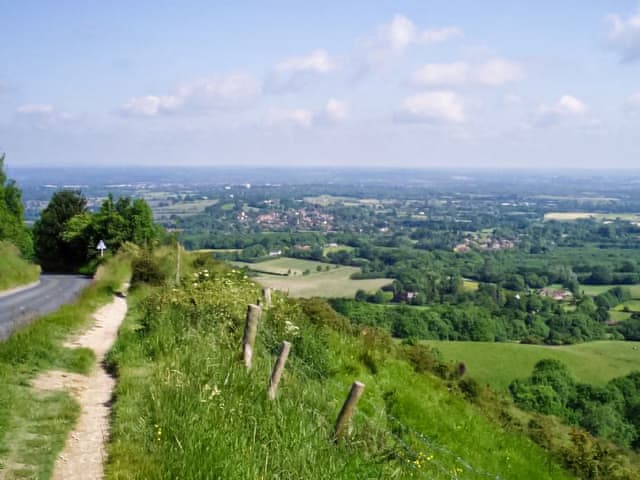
[[53, 291]]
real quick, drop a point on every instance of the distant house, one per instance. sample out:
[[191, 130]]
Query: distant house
[[462, 248], [275, 253], [556, 294]]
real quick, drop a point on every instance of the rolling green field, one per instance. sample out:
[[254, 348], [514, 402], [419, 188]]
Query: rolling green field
[[335, 282], [180, 208], [470, 285], [498, 364], [338, 248], [594, 290], [629, 306], [571, 216]]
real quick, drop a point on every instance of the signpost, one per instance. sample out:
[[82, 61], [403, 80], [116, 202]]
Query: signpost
[[102, 247]]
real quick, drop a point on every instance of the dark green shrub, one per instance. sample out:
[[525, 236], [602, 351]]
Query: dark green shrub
[[470, 388], [146, 269]]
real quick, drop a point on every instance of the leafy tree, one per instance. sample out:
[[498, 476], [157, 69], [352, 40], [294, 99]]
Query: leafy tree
[[12, 226], [53, 252]]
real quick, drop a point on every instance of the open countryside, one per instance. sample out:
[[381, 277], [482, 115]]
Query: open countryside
[[320, 240]]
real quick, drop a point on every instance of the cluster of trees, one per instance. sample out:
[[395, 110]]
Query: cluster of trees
[[66, 235], [611, 411], [490, 314], [12, 226]]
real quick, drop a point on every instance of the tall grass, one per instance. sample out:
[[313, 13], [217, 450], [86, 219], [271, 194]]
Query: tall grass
[[14, 270], [33, 425], [186, 408]]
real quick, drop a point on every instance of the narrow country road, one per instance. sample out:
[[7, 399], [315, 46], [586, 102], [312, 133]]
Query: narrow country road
[[52, 292]]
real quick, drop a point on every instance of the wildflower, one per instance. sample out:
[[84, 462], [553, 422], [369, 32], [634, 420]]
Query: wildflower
[[291, 328]]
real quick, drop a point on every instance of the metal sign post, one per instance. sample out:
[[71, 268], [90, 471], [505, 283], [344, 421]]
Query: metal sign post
[[102, 247]]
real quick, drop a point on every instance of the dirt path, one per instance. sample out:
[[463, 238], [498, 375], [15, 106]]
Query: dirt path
[[84, 451]]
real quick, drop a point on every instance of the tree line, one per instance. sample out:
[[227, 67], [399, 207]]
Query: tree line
[[67, 233]]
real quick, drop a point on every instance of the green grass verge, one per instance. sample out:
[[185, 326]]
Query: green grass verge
[[34, 425], [186, 408], [14, 270], [498, 364]]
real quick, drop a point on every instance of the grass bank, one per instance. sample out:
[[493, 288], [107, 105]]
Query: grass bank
[[186, 408], [34, 425], [15, 270]]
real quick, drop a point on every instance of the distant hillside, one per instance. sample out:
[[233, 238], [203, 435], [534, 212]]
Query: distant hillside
[[15, 270]]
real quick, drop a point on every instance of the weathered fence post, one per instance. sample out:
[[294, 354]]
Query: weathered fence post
[[357, 389], [278, 368], [253, 317], [267, 297]]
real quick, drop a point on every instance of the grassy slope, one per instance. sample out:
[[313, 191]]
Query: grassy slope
[[186, 407], [498, 364], [34, 425], [14, 270]]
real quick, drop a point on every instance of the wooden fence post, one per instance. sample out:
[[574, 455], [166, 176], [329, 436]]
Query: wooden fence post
[[253, 317], [278, 368], [267, 297], [357, 389]]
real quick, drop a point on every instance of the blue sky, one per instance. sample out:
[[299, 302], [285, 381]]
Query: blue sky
[[405, 83]]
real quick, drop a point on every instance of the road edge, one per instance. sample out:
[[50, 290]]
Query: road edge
[[11, 291]]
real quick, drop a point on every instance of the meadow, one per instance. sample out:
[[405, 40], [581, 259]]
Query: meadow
[[182, 209], [571, 216], [287, 275], [498, 364]]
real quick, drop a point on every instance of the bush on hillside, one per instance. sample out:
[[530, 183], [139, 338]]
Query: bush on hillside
[[145, 268]]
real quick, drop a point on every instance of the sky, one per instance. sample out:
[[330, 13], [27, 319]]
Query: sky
[[464, 84]]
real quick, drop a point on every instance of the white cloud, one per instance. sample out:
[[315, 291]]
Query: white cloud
[[633, 102], [35, 109], [216, 93], [337, 110], [41, 114], [295, 73], [317, 61], [397, 34], [567, 106], [151, 105], [401, 32], [393, 38], [624, 35], [433, 106], [301, 117], [455, 73], [439, 35], [494, 72], [334, 112], [498, 71]]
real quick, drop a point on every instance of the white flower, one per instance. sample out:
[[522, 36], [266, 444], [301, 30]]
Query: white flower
[[291, 328]]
